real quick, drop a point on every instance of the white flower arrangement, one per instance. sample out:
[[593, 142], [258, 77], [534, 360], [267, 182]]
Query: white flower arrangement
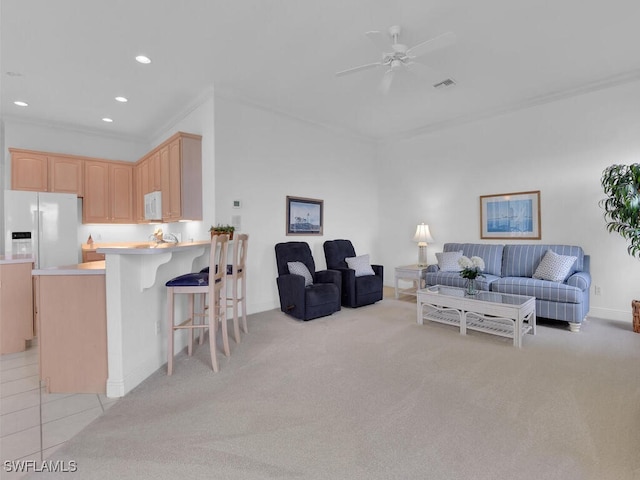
[[471, 267]]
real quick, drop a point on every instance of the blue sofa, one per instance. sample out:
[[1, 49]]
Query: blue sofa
[[510, 269]]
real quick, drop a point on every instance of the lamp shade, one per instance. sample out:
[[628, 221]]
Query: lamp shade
[[423, 235]]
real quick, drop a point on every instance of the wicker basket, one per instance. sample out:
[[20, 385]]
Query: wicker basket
[[635, 306]]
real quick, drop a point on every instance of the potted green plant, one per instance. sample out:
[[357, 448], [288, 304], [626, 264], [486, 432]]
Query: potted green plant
[[621, 184], [222, 230]]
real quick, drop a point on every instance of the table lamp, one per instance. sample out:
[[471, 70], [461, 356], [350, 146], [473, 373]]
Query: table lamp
[[422, 236]]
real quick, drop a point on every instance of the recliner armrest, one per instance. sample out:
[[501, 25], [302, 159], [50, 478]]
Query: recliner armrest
[[329, 276], [291, 291], [378, 270]]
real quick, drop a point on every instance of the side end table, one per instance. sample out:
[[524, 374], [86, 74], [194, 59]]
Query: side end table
[[416, 273]]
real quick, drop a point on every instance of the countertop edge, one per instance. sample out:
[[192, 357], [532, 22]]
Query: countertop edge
[[89, 268], [152, 249]]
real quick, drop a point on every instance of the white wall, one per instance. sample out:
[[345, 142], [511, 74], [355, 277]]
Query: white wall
[[261, 157], [559, 148]]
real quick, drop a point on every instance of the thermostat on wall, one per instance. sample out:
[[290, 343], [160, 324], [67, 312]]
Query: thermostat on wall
[[237, 204]]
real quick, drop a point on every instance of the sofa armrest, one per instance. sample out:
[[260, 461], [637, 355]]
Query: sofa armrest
[[582, 280], [433, 268]]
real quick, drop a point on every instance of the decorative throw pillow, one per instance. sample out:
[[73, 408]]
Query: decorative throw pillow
[[360, 264], [448, 261], [554, 267], [299, 268]]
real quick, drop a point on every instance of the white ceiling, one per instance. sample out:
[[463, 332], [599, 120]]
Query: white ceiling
[[75, 56]]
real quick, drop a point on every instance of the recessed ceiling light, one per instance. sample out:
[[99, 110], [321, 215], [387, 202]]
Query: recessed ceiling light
[[143, 59], [122, 99], [21, 103], [107, 119]]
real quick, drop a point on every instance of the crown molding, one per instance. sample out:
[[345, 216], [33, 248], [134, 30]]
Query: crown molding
[[333, 128], [586, 88], [205, 95]]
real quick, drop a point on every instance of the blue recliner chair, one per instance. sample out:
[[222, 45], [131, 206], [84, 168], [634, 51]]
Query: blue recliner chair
[[319, 298], [356, 290]]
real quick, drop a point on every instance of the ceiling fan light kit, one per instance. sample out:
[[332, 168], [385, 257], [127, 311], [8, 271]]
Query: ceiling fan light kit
[[399, 57]]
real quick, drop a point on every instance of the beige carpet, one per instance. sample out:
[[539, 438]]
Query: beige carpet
[[369, 394]]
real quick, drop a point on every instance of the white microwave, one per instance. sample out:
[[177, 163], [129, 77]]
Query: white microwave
[[153, 206]]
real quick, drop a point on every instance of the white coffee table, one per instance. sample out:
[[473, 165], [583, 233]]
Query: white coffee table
[[496, 313]]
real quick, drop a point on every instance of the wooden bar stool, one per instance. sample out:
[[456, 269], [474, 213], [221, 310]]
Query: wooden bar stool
[[236, 273], [202, 283]]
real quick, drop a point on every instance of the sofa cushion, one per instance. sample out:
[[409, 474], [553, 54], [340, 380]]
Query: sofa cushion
[[554, 267], [491, 254], [299, 268], [541, 289], [360, 264], [522, 260], [448, 261]]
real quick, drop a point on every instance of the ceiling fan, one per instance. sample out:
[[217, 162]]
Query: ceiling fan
[[400, 57]]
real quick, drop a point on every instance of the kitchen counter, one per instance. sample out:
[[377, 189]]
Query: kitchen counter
[[89, 268], [147, 248], [9, 259]]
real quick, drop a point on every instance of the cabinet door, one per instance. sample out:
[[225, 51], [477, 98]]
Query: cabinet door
[[138, 194], [16, 307], [95, 206], [29, 171], [66, 175], [165, 184], [121, 192], [154, 172], [175, 180]]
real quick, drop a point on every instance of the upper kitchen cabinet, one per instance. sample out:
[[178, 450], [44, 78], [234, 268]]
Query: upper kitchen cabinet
[[108, 194], [181, 177], [66, 175], [29, 171], [45, 172]]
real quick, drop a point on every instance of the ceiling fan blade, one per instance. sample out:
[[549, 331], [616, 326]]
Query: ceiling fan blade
[[385, 84], [441, 41], [380, 40], [357, 69]]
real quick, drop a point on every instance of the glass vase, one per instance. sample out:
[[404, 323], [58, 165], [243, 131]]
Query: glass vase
[[471, 287]]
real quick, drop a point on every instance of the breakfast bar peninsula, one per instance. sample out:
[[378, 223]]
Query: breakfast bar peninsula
[[135, 300]]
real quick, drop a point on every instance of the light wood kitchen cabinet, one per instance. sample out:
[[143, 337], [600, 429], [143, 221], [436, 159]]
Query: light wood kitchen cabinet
[[16, 306], [45, 172], [73, 333], [29, 171], [66, 175], [108, 194], [181, 178]]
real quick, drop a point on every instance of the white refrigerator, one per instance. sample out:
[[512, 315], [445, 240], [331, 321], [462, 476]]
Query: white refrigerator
[[42, 224]]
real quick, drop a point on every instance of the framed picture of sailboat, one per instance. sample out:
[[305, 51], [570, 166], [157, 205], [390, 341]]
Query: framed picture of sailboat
[[514, 216]]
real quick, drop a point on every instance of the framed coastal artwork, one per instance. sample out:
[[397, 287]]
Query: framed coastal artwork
[[510, 216], [304, 216]]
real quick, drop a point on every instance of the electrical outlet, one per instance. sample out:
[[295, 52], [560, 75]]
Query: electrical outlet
[[596, 290], [157, 327]]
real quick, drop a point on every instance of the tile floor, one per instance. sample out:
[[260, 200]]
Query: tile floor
[[33, 423]]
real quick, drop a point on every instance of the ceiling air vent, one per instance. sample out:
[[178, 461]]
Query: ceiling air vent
[[448, 83]]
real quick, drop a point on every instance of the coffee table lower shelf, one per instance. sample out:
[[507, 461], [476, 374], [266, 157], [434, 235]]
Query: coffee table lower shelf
[[505, 320]]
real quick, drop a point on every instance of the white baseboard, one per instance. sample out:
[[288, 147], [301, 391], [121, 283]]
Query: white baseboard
[[611, 314]]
